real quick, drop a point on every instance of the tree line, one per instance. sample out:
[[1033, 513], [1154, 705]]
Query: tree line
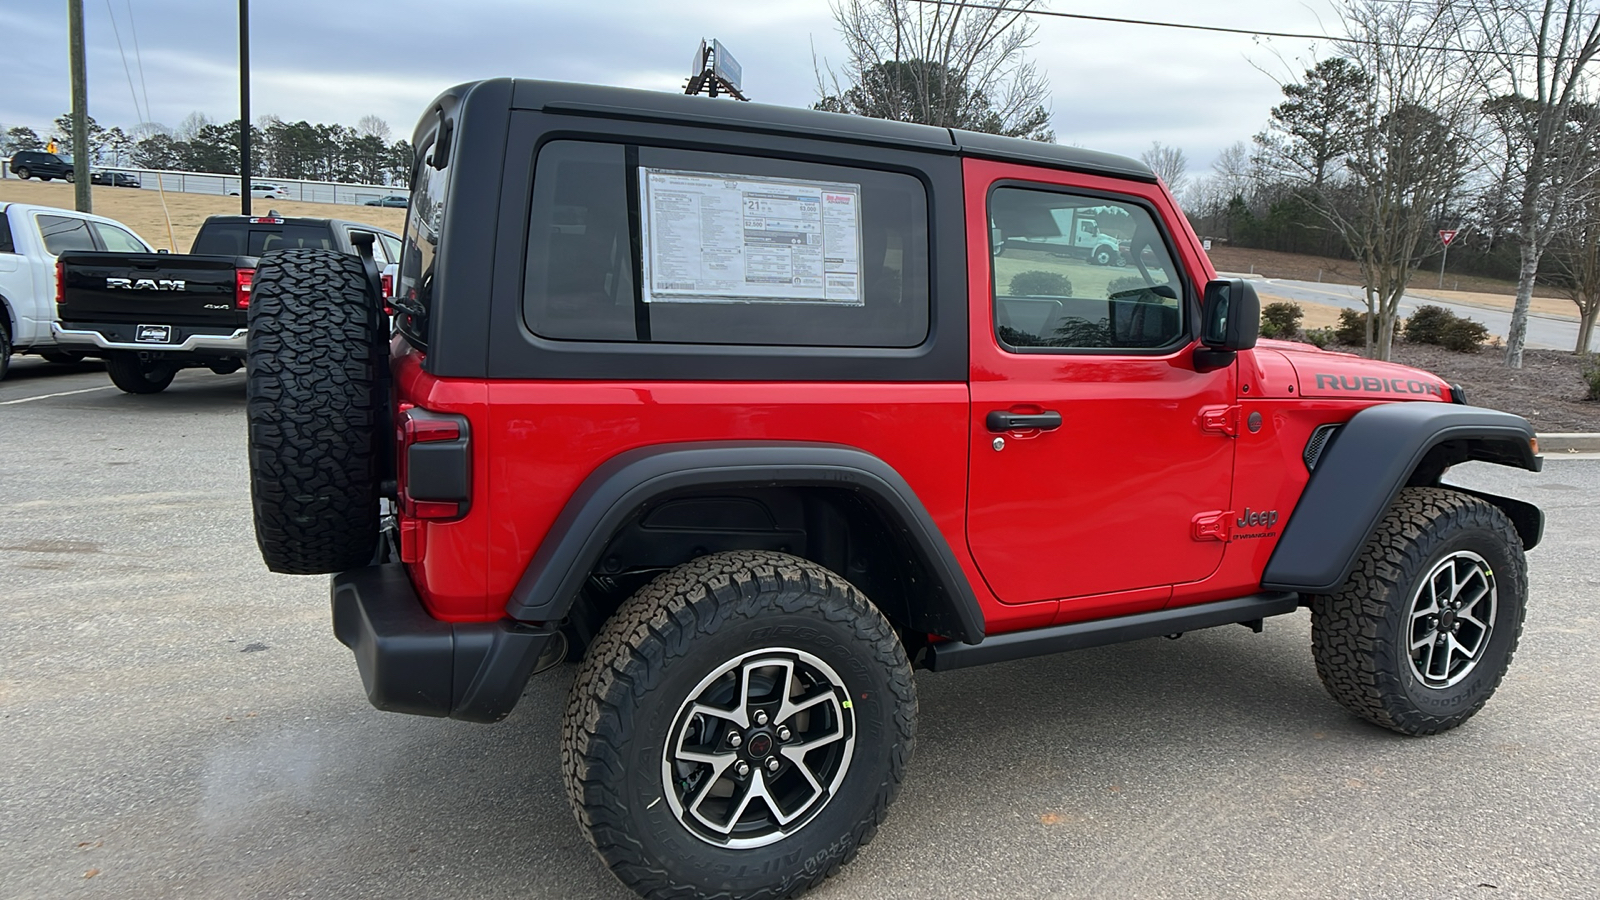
[[1476, 116], [363, 154]]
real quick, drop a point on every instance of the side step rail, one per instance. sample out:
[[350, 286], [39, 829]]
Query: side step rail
[[1081, 635]]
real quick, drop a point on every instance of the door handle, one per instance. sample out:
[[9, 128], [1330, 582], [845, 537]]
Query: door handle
[[1000, 420]]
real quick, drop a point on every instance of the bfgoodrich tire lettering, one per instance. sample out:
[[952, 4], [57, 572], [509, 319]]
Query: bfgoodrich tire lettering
[[313, 402], [1420, 635], [667, 644]]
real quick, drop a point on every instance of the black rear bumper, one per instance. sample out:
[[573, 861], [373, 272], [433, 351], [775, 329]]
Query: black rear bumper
[[413, 663]]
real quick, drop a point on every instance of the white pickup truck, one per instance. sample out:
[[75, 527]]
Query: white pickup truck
[[31, 237]]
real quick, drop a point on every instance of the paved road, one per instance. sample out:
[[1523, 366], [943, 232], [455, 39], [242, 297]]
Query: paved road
[[177, 722], [1551, 332]]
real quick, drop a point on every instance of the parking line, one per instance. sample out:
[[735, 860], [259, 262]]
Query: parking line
[[61, 394]]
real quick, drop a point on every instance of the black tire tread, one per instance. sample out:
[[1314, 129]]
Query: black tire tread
[[313, 402], [1358, 667], [650, 630]]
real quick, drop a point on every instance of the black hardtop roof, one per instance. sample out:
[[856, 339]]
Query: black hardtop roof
[[626, 103]]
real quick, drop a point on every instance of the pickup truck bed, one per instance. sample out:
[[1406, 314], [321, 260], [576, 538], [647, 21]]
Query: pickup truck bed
[[151, 314]]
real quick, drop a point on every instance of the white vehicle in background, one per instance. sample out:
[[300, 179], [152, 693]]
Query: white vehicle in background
[[262, 189], [31, 237]]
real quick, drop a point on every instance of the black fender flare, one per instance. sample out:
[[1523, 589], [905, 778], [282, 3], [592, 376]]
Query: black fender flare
[[619, 486], [1363, 469]]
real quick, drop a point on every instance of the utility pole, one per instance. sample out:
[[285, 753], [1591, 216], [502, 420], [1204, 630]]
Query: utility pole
[[244, 106], [81, 169]]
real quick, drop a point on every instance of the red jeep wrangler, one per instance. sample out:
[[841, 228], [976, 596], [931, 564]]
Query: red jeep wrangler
[[756, 410]]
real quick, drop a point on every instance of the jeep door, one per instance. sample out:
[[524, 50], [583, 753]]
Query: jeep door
[[1092, 451]]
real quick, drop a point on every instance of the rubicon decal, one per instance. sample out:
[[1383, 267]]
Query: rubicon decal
[[1368, 384]]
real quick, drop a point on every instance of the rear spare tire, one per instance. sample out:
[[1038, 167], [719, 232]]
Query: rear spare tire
[[314, 402]]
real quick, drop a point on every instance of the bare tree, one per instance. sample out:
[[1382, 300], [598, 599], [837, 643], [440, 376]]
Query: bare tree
[[373, 126], [1535, 58], [1169, 163], [940, 64], [1401, 148], [1576, 253], [1233, 171]]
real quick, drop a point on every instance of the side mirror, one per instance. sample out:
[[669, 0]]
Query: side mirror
[[1230, 321]]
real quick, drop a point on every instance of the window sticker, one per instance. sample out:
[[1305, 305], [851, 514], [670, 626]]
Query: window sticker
[[714, 238]]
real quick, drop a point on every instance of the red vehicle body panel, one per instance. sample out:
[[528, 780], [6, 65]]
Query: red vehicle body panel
[[1091, 520]]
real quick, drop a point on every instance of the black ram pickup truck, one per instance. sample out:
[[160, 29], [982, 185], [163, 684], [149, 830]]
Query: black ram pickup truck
[[151, 314]]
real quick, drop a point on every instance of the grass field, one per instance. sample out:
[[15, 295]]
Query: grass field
[[170, 223]]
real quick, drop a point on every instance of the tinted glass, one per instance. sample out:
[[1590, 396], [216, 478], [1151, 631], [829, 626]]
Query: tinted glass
[[118, 240], [62, 234], [738, 249], [242, 239], [7, 245], [1079, 272]]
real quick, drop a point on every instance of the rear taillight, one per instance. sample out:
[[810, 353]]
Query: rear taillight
[[388, 285], [242, 280], [61, 283], [434, 464]]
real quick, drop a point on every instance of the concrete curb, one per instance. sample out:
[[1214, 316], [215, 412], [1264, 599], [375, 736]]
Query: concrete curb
[[1569, 442]]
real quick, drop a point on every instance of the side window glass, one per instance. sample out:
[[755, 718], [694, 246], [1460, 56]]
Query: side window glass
[[118, 240], [673, 246], [7, 245], [61, 234], [1074, 272], [391, 247]]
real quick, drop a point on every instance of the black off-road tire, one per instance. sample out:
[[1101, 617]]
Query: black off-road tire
[[314, 402], [136, 376], [1362, 636], [642, 671]]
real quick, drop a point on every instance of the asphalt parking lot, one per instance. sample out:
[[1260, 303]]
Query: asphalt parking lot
[[177, 722]]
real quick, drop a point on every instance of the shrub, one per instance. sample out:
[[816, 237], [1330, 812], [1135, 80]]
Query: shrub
[[1429, 324], [1352, 328], [1125, 283], [1039, 283], [1319, 337], [1281, 320], [1591, 376], [1441, 327], [1463, 336]]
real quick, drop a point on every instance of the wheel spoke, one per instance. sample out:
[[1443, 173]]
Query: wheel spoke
[[1426, 640], [790, 709], [704, 794], [1476, 599], [1427, 664]]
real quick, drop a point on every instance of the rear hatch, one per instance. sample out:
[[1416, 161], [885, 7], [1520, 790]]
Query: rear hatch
[[154, 288]]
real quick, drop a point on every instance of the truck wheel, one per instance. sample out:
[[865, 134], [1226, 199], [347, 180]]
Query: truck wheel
[[22, 172], [738, 728], [1102, 256], [136, 376], [314, 406], [5, 343], [1419, 637]]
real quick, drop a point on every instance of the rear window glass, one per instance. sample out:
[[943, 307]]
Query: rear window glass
[[7, 245], [62, 234], [240, 239], [669, 246]]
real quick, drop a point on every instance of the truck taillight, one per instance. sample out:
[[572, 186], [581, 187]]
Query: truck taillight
[[61, 283], [242, 280], [388, 285], [434, 465]]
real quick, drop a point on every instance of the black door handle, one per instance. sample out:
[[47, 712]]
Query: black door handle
[[1000, 420]]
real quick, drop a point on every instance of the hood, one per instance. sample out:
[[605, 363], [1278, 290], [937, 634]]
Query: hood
[[1334, 375]]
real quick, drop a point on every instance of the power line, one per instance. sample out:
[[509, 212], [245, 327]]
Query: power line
[[1220, 29]]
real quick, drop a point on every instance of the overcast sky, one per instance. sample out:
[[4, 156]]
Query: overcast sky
[[1114, 87]]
